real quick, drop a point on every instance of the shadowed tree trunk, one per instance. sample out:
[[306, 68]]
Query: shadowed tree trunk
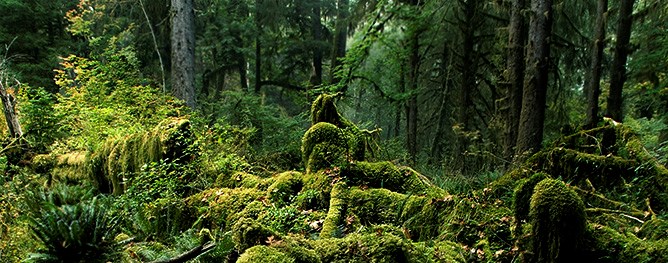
[[618, 70], [411, 107], [340, 38], [517, 42], [258, 48], [183, 51], [593, 86], [316, 79], [532, 116], [9, 109]]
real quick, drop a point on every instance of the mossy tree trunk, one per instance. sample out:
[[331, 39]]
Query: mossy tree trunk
[[183, 51], [532, 116], [517, 42], [593, 85], [9, 109], [618, 70]]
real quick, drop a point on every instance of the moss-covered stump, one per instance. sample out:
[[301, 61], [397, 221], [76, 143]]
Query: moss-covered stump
[[324, 145], [558, 223], [522, 198]]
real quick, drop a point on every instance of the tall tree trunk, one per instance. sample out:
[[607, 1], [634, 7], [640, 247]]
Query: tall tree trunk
[[316, 79], [9, 109], [517, 42], [532, 116], [618, 70], [469, 69], [437, 145], [258, 48], [183, 51], [241, 65], [340, 39], [593, 86], [411, 107]]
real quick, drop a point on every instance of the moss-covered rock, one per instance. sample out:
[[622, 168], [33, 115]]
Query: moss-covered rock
[[264, 254], [247, 233], [221, 207], [558, 222]]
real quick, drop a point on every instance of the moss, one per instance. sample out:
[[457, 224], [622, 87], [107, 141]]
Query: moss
[[264, 254], [43, 163], [522, 198], [604, 244], [247, 233], [221, 207], [310, 199], [299, 249], [558, 222], [389, 176], [242, 179], [385, 247], [655, 229], [337, 206], [324, 145], [285, 187]]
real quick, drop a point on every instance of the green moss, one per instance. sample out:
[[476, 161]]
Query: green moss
[[221, 207], [337, 206], [285, 186], [242, 179], [389, 176], [558, 222], [655, 229], [324, 145], [247, 233], [385, 247], [522, 198], [264, 254]]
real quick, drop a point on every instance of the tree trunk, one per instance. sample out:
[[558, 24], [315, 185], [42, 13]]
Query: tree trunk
[[316, 79], [340, 39], [241, 65], [593, 86], [437, 145], [183, 51], [618, 70], [517, 42], [532, 116], [258, 49], [9, 109], [411, 107]]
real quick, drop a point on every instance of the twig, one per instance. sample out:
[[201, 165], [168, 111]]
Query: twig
[[190, 254]]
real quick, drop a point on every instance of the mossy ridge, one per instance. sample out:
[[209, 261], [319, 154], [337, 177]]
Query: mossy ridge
[[389, 176], [604, 244], [264, 254]]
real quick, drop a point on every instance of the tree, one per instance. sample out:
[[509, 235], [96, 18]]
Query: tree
[[517, 31], [183, 51], [532, 116], [316, 27], [340, 38], [618, 70], [593, 85]]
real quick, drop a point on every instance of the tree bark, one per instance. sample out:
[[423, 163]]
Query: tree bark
[[258, 48], [593, 86], [532, 116], [411, 107], [618, 70], [316, 79], [437, 145], [340, 39], [9, 109], [183, 51], [517, 42]]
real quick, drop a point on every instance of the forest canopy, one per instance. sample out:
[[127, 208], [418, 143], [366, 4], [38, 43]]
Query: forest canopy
[[333, 131]]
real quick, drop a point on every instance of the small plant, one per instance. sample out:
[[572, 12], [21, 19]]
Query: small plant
[[80, 232]]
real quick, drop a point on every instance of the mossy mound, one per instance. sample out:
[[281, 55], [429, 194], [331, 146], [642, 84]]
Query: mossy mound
[[608, 245], [557, 217], [222, 207], [117, 159], [264, 254]]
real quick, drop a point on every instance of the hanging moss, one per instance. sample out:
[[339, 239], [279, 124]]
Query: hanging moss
[[264, 254], [558, 222]]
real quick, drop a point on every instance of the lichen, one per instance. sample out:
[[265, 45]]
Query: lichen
[[558, 222]]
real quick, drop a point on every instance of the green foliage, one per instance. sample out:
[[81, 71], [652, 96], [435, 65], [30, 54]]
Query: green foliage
[[74, 232], [38, 117]]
